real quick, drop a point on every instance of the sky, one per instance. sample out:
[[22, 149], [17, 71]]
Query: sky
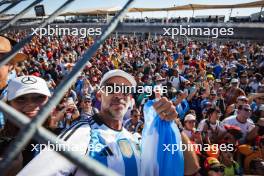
[[51, 5]]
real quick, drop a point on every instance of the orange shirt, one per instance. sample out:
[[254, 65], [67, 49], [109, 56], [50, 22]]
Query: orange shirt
[[170, 61]]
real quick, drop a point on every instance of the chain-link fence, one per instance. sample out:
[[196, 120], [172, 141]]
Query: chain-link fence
[[33, 128]]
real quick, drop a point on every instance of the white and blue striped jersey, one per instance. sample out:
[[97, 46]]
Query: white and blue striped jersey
[[118, 150]]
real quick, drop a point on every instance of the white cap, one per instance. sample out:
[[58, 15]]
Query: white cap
[[189, 117], [117, 72], [234, 80], [26, 85], [261, 107]]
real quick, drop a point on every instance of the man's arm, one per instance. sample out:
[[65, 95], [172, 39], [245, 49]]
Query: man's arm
[[191, 162], [255, 131], [253, 96], [191, 95], [207, 89], [180, 98]]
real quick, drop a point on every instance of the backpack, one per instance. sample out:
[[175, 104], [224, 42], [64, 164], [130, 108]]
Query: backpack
[[181, 83]]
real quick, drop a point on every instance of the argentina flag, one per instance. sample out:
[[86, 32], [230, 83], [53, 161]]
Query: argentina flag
[[158, 133]]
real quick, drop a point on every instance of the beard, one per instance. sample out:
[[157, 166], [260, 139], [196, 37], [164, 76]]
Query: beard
[[117, 115], [118, 108]]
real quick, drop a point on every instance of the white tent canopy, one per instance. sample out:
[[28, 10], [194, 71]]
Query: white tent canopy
[[114, 10]]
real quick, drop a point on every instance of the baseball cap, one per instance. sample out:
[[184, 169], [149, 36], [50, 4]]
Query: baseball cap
[[87, 97], [189, 117], [6, 45], [234, 80], [261, 107], [242, 98], [140, 75], [218, 80], [213, 92], [25, 85], [232, 127], [117, 72], [175, 67], [212, 162], [159, 77], [208, 103], [210, 76], [234, 130], [233, 66]]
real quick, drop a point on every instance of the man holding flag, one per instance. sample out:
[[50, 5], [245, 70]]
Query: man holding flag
[[104, 138]]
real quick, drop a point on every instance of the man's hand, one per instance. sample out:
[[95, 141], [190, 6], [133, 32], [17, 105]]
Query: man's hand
[[165, 109], [183, 95]]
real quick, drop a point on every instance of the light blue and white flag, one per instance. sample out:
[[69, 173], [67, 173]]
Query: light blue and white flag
[[156, 160]]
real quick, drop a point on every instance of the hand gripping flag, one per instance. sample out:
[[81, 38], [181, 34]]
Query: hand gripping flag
[[161, 140]]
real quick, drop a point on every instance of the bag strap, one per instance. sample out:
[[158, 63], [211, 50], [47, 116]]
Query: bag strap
[[208, 124], [180, 80]]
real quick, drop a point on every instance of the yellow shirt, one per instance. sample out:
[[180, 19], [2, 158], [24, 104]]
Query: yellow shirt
[[115, 61], [170, 62], [230, 171]]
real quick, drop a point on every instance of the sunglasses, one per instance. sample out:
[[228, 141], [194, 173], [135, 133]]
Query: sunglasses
[[218, 169], [247, 109], [31, 98]]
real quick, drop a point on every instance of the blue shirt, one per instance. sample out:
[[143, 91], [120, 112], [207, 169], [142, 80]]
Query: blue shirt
[[217, 70], [182, 108]]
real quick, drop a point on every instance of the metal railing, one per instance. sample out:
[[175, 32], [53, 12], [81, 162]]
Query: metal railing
[[33, 128], [13, 4]]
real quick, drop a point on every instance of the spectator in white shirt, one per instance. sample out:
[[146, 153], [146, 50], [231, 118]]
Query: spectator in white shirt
[[177, 80], [210, 127], [190, 130], [242, 120], [189, 125]]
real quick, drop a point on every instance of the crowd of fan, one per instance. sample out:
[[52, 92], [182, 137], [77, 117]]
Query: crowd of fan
[[217, 89]]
